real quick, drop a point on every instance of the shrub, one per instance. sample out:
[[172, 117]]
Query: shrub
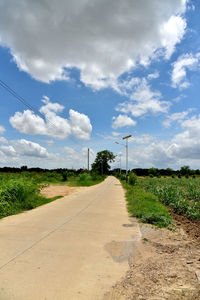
[[64, 175], [132, 178], [123, 177]]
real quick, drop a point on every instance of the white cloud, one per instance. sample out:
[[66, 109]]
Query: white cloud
[[54, 125], [187, 143], [153, 75], [3, 140], [143, 139], [8, 150], [77, 158], [144, 100], [172, 33], [28, 148], [182, 149], [49, 142], [2, 129], [80, 125], [102, 38], [179, 75], [179, 116], [115, 133], [28, 122], [122, 121]]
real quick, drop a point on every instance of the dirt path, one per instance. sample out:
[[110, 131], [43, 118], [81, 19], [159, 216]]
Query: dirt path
[[74, 248], [162, 266], [53, 190]]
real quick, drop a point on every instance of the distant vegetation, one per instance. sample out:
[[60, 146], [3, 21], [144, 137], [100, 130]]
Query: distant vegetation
[[154, 172]]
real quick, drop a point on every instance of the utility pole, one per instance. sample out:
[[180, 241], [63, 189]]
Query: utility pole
[[88, 159], [126, 138]]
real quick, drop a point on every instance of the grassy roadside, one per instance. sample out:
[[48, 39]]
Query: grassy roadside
[[146, 206], [17, 195], [21, 192]]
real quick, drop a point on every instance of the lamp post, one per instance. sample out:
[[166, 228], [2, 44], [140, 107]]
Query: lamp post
[[126, 138]]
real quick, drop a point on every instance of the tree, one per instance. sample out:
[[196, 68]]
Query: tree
[[153, 172], [169, 171], [100, 164], [185, 170]]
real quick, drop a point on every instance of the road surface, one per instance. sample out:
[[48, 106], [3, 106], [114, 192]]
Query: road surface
[[74, 248]]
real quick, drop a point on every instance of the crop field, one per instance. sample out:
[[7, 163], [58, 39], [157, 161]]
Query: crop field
[[180, 194], [21, 191], [152, 199]]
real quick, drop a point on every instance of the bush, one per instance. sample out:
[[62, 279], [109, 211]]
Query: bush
[[132, 178], [64, 175], [17, 195], [122, 177], [84, 177]]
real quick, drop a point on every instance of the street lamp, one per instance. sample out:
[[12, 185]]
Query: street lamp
[[126, 138]]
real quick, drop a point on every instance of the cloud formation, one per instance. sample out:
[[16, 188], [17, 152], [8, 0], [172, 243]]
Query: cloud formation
[[2, 129], [3, 140], [8, 151], [102, 38], [183, 148], [179, 73], [179, 116], [122, 121], [55, 126], [28, 148], [143, 100]]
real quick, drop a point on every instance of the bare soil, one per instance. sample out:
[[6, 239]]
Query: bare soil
[[53, 190], [163, 266]]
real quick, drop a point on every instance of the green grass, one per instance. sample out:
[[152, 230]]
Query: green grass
[[181, 195], [20, 194], [146, 206], [150, 198], [21, 191]]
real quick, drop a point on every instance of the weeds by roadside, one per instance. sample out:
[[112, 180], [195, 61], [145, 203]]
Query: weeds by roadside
[[146, 207], [148, 198], [17, 195], [20, 192]]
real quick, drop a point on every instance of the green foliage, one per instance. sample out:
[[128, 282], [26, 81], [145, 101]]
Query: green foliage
[[86, 179], [185, 170], [101, 163], [169, 172], [17, 195], [132, 179], [64, 175], [153, 172], [122, 176], [146, 207], [183, 196]]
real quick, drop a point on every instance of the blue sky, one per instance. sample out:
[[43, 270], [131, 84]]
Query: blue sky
[[94, 72]]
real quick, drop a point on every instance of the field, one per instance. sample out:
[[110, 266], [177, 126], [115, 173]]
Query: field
[[21, 191], [152, 199]]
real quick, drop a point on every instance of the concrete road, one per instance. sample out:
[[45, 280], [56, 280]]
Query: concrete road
[[74, 248]]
